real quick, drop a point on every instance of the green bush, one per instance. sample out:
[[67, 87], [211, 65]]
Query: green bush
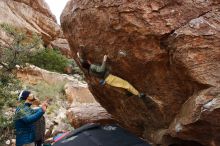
[[76, 69], [8, 87], [6, 128], [19, 49], [46, 90], [50, 59], [8, 99]]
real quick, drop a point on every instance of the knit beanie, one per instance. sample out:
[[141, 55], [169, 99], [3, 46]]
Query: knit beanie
[[23, 95]]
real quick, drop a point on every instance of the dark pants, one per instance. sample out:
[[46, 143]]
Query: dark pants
[[39, 143]]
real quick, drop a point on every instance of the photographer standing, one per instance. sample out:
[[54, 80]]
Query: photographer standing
[[25, 117]]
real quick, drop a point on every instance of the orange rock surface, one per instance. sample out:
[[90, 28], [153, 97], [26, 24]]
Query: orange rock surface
[[166, 49]]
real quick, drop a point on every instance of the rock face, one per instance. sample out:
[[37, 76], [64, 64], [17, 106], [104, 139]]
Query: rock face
[[40, 6], [84, 108], [166, 49], [34, 75], [34, 16], [63, 46]]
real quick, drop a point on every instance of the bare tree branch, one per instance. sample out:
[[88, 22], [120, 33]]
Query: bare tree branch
[[5, 66], [31, 46]]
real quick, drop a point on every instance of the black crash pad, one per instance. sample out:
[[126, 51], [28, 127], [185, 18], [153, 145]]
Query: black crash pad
[[97, 135]]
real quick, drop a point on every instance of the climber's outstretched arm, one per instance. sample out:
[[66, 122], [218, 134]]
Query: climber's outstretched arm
[[103, 66], [80, 58]]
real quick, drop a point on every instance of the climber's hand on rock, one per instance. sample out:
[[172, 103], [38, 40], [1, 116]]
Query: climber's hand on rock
[[78, 55], [105, 57]]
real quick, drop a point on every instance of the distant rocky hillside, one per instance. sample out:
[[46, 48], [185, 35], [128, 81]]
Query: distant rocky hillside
[[33, 16]]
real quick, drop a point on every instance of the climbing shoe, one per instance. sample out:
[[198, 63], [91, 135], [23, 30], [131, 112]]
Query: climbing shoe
[[102, 82], [149, 102], [128, 94], [141, 95]]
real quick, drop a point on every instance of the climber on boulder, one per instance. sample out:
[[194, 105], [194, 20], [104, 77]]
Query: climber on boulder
[[102, 72]]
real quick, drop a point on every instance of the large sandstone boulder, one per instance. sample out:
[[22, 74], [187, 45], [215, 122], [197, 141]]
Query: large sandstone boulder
[[167, 49], [83, 107], [83, 113]]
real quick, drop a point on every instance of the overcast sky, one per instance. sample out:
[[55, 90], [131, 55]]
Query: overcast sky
[[57, 6]]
